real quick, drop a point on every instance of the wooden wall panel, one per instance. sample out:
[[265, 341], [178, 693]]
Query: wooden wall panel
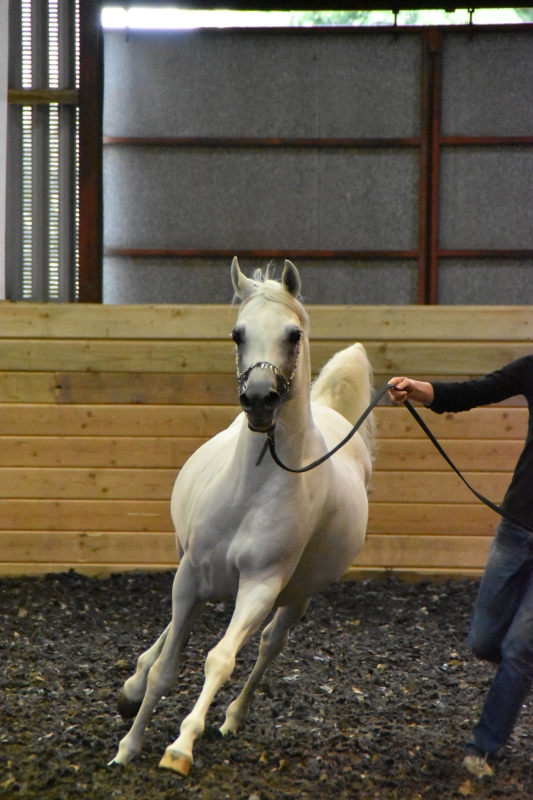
[[100, 406]]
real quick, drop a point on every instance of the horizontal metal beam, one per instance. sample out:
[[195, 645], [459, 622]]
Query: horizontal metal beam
[[204, 253], [484, 141], [227, 141], [510, 254], [363, 255], [33, 97]]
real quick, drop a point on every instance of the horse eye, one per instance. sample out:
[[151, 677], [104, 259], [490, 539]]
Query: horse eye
[[295, 336], [236, 335]]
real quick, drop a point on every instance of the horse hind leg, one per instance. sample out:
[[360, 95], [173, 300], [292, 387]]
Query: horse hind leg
[[273, 640], [132, 693]]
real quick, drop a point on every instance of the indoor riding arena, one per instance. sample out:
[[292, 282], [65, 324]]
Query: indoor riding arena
[[392, 163]]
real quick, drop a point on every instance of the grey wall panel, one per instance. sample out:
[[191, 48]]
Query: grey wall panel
[[369, 85], [129, 280], [205, 199], [486, 198], [258, 83], [485, 282], [368, 199], [359, 283], [487, 84], [260, 199]]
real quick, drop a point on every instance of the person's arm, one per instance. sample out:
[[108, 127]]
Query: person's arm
[[445, 396], [408, 389]]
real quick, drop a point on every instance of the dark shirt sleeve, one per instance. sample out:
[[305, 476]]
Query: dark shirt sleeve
[[505, 382]]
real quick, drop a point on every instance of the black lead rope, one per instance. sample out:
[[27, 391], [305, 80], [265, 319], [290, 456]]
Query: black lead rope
[[271, 445], [446, 457]]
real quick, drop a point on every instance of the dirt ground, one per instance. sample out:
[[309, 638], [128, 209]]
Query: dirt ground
[[374, 697]]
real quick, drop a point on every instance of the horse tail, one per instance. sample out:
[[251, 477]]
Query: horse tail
[[345, 384]]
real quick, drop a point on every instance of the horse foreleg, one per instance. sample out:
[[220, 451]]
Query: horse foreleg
[[164, 670], [273, 640], [133, 691], [254, 601]]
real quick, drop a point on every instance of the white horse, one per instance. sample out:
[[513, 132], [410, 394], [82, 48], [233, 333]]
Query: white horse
[[266, 537]]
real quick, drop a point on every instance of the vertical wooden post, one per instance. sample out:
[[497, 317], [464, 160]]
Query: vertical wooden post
[[91, 93], [429, 167]]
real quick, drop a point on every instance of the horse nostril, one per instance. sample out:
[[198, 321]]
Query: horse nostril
[[272, 399], [245, 402]]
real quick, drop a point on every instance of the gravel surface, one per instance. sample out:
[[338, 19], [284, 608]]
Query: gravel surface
[[373, 697]]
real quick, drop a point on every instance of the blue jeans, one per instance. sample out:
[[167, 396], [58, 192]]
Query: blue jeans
[[502, 632]]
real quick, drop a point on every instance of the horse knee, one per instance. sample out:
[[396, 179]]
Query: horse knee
[[221, 662]]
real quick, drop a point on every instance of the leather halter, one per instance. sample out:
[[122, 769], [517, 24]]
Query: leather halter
[[243, 377]]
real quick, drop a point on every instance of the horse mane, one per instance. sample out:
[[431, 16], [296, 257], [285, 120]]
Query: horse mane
[[265, 286]]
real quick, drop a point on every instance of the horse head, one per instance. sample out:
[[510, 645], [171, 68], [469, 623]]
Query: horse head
[[268, 336]]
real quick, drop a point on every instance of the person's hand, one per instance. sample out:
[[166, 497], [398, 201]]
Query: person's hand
[[408, 389]]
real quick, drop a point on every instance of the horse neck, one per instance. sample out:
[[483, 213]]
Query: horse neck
[[295, 422]]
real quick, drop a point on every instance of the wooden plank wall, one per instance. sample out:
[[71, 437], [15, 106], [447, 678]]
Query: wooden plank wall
[[101, 405]]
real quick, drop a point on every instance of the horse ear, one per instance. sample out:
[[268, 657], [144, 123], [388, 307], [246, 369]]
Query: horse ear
[[291, 279], [243, 286]]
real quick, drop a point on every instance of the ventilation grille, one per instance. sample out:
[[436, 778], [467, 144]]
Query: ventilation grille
[[43, 162]]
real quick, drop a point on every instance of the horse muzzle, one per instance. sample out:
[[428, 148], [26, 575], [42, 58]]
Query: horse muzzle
[[261, 401]]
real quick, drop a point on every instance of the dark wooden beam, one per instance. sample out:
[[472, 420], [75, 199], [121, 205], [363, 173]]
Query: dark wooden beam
[[91, 94]]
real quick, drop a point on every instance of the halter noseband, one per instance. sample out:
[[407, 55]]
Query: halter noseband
[[243, 376]]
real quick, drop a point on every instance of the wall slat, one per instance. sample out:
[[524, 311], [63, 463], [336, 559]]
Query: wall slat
[[156, 388], [154, 515], [97, 451], [165, 420], [489, 455], [197, 356], [86, 484], [156, 484], [125, 547], [348, 323], [78, 420], [435, 487]]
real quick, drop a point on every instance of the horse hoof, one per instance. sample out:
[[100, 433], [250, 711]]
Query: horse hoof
[[178, 763], [230, 727], [128, 709]]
